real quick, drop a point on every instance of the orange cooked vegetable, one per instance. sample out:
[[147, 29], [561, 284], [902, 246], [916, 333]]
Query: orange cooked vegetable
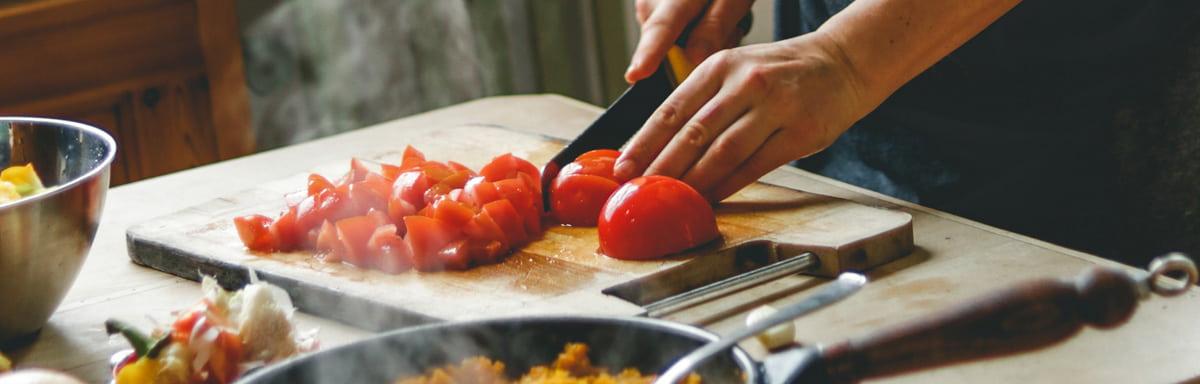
[[571, 367]]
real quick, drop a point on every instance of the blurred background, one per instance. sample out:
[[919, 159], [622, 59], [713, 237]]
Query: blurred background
[[182, 83]]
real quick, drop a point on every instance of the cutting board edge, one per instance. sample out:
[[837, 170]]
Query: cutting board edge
[[369, 314]]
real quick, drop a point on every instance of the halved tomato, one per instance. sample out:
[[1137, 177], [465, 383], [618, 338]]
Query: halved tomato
[[255, 232], [599, 154], [577, 199], [653, 216]]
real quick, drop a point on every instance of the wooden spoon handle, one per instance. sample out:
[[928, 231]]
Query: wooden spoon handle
[[1026, 317]]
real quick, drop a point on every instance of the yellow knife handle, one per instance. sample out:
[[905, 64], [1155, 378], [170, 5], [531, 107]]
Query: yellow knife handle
[[678, 65]]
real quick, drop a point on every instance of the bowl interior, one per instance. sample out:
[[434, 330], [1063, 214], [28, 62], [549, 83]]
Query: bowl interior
[[614, 343], [61, 151]]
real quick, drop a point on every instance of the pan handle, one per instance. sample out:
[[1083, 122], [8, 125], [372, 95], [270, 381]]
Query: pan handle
[[1026, 317]]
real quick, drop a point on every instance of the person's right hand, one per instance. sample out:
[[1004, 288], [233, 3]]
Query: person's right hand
[[664, 20]]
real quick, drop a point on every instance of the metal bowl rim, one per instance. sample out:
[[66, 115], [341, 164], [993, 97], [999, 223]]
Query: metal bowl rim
[[741, 358], [58, 189]]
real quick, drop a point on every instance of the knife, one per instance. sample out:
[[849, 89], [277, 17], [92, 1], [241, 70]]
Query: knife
[[625, 116]]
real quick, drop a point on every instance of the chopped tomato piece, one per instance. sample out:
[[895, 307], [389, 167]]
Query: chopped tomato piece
[[486, 252], [436, 171], [479, 191], [327, 241], [370, 194], [318, 183], [389, 171], [284, 231], [506, 166], [255, 232], [452, 212], [483, 228], [455, 256], [459, 167], [411, 187], [506, 216], [427, 236], [353, 233], [525, 201], [394, 254]]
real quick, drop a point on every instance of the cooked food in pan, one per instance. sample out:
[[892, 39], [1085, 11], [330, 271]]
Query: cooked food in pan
[[571, 367]]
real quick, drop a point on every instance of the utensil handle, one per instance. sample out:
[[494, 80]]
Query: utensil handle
[[1026, 317]]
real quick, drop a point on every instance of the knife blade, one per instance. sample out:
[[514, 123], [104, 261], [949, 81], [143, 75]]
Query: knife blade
[[615, 125]]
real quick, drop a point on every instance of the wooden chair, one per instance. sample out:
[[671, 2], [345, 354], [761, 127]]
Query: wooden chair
[[164, 77]]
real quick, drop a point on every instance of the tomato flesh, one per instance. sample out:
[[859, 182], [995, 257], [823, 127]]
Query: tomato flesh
[[654, 216], [255, 232]]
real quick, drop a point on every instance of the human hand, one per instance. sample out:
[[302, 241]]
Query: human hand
[[664, 20], [746, 111]]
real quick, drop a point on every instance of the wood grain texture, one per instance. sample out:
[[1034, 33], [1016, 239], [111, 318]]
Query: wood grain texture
[[559, 273]]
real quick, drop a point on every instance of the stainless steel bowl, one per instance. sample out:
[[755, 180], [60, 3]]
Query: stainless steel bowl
[[45, 238]]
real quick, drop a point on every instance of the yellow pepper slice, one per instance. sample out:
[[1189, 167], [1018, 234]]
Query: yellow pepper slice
[[144, 370], [24, 178]]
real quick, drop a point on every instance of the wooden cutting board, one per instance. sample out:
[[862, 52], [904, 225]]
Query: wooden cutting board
[[558, 273]]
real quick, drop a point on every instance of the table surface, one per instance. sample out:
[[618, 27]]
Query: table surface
[[955, 259]]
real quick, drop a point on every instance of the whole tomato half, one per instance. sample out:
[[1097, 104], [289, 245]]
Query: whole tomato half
[[654, 216], [581, 188]]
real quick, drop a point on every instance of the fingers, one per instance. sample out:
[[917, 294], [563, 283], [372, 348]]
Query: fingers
[[654, 135], [714, 30], [776, 151], [693, 139], [730, 150], [664, 24]]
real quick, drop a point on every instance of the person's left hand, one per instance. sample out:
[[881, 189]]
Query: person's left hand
[[745, 111]]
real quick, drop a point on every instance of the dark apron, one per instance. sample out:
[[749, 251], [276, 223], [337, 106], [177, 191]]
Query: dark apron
[[1012, 129]]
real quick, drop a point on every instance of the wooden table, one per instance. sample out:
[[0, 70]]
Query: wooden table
[[955, 259]]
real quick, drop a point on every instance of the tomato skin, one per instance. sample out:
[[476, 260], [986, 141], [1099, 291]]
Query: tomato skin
[[452, 212], [393, 254], [654, 216], [411, 186], [509, 221], [507, 166], [599, 153], [255, 232], [578, 199], [284, 233], [427, 236], [353, 233], [318, 183]]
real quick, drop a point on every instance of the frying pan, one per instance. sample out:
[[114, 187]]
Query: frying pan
[[1024, 317]]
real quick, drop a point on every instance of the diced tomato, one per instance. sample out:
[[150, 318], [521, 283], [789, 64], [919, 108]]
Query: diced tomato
[[318, 183], [370, 194], [483, 228], [577, 199], [427, 236], [436, 171], [506, 166], [327, 241], [455, 256], [223, 364], [461, 168], [486, 252], [284, 231], [479, 191], [353, 233], [397, 209], [389, 171], [653, 216], [525, 201], [181, 329], [437, 190], [598, 154], [457, 180], [506, 216], [411, 186], [392, 252], [411, 153], [452, 212], [358, 171], [255, 232]]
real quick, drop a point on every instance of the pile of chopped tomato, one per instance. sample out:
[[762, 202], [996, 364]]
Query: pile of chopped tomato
[[420, 214]]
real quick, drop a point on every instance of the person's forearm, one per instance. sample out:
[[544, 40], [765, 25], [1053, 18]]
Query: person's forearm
[[889, 42]]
